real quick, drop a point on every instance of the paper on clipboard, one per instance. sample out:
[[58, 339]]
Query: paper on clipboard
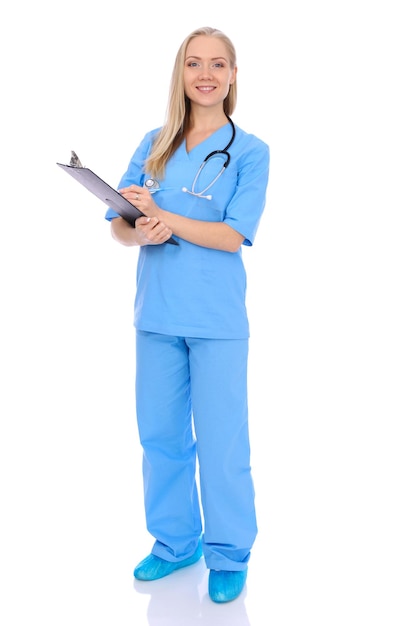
[[105, 193]]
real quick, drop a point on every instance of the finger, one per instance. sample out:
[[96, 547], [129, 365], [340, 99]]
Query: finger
[[127, 189], [142, 220]]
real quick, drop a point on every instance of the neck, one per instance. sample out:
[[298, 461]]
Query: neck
[[207, 121]]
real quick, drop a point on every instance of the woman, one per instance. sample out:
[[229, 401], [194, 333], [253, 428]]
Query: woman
[[200, 183]]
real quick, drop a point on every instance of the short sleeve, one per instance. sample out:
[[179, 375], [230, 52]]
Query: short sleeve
[[246, 207]]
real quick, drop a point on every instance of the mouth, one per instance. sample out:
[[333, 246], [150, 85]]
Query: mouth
[[205, 88]]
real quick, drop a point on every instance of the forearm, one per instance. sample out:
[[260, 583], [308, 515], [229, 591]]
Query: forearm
[[216, 235], [123, 232]]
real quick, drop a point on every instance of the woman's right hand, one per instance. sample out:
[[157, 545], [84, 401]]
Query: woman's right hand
[[150, 231]]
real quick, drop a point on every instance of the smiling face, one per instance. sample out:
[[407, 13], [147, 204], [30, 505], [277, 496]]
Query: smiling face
[[208, 73]]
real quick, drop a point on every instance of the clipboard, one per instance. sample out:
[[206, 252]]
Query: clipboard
[[106, 194]]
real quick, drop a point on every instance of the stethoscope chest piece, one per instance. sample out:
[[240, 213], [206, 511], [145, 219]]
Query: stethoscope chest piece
[[151, 184]]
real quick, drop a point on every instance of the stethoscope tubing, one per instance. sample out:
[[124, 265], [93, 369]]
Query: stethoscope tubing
[[225, 149], [200, 194]]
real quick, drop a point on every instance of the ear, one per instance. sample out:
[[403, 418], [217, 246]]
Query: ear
[[233, 76]]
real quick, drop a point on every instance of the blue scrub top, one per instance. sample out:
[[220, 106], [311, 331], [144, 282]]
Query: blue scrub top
[[189, 290]]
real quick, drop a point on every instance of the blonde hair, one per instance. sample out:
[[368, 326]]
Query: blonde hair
[[178, 111]]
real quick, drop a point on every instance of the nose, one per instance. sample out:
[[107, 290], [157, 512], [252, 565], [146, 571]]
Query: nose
[[205, 72]]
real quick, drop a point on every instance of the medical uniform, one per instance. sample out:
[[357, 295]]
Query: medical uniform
[[192, 347]]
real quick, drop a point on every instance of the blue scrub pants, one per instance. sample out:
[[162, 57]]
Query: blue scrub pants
[[191, 398]]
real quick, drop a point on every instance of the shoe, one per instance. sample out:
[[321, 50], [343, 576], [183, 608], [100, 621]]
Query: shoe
[[153, 567], [226, 586]]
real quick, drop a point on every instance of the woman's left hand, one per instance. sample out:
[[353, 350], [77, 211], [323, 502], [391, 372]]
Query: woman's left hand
[[141, 199]]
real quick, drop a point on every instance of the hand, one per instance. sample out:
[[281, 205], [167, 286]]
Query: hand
[[151, 231], [141, 199]]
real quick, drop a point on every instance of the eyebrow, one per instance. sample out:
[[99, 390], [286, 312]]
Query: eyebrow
[[200, 58]]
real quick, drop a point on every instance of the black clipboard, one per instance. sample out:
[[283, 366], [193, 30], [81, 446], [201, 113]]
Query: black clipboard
[[106, 194]]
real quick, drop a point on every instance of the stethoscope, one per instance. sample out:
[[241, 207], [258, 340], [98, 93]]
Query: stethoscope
[[153, 185]]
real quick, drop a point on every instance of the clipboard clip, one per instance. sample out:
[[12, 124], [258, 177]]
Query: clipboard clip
[[75, 161]]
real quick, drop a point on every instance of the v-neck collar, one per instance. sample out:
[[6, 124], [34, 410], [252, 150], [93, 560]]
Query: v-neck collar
[[204, 146]]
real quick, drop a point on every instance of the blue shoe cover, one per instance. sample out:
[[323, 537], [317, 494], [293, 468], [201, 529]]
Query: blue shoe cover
[[226, 586], [153, 567]]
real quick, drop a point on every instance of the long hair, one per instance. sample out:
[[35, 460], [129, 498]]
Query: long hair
[[178, 111]]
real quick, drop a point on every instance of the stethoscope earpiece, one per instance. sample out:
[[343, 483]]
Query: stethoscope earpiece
[[199, 194]]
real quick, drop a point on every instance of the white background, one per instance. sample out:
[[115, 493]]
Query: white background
[[331, 87]]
